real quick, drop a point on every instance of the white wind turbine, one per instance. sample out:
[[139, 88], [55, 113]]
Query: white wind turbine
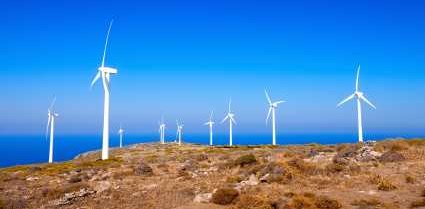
[[121, 133], [230, 116], [359, 96], [272, 110], [210, 123], [179, 132], [162, 131], [105, 73], [51, 123]]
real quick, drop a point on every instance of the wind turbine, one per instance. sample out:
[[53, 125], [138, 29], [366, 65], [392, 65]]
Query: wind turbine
[[105, 73], [210, 123], [51, 123], [230, 116], [359, 96], [272, 110], [162, 131], [179, 132], [121, 133]]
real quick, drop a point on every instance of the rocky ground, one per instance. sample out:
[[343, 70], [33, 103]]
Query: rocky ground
[[388, 174]]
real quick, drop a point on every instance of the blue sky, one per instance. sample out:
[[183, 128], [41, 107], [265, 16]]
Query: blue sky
[[182, 59]]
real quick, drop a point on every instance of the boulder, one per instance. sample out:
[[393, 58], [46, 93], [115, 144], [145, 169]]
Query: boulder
[[203, 198]]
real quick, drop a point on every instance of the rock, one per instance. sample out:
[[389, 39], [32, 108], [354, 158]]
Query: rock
[[391, 156], [366, 153], [143, 169], [102, 186], [203, 198], [252, 181], [265, 178], [68, 198], [32, 178], [150, 186]]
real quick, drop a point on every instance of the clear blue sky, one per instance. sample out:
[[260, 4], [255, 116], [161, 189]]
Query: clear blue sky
[[182, 59]]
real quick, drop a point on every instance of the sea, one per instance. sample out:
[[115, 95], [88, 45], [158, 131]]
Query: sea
[[21, 150]]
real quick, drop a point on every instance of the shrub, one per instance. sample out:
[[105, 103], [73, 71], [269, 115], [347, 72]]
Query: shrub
[[224, 196], [74, 179], [386, 185], [410, 179], [391, 156], [253, 202], [418, 203], [324, 202], [300, 202], [382, 183], [245, 160], [143, 169]]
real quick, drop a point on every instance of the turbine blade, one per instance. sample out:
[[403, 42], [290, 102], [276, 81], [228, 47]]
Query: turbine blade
[[268, 97], [96, 77], [281, 101], [233, 120], [106, 43], [227, 116], [211, 115], [367, 101], [268, 115], [345, 100], [230, 102], [52, 104], [357, 77]]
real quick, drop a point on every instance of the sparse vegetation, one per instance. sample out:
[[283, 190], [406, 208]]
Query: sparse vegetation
[[151, 176]]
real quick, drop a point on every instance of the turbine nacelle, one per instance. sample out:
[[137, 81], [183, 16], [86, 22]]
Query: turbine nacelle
[[108, 70], [358, 94]]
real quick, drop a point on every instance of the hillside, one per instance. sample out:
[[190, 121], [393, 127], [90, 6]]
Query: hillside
[[387, 174]]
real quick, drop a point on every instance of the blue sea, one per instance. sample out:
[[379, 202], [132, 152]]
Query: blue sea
[[19, 150]]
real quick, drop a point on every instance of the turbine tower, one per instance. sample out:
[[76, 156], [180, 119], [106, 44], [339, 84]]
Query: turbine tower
[[210, 123], [121, 133], [162, 131], [359, 96], [105, 73], [51, 123], [230, 116], [179, 132], [272, 110]]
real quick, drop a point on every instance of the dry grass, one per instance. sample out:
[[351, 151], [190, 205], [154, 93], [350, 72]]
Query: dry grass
[[382, 183]]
